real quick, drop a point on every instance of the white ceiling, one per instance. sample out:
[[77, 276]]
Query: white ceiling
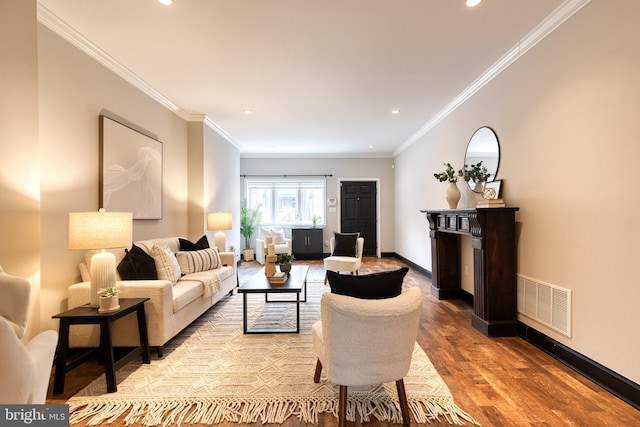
[[321, 77]]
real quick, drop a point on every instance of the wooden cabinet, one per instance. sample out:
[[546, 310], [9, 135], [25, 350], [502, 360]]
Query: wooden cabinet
[[306, 243], [493, 239]]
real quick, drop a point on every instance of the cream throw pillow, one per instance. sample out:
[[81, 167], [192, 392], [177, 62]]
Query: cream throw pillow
[[166, 263], [195, 261]]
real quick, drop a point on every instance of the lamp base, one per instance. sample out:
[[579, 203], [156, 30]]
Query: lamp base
[[220, 241], [103, 275]]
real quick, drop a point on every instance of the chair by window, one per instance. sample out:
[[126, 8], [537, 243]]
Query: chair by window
[[367, 342], [281, 244]]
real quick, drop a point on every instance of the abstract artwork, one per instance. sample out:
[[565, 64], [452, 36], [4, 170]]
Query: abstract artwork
[[130, 171]]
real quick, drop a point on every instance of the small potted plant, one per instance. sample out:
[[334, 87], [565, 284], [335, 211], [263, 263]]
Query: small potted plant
[[109, 301], [476, 173], [284, 261], [314, 220]]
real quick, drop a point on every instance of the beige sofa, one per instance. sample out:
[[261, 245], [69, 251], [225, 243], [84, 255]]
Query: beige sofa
[[171, 308]]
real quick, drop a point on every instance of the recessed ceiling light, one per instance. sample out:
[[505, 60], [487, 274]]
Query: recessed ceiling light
[[167, 2], [472, 3], [247, 111], [371, 146], [396, 111]]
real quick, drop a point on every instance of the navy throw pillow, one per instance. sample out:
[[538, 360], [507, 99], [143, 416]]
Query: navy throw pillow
[[345, 244], [186, 245], [386, 284], [137, 265]]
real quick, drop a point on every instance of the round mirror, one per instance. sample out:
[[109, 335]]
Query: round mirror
[[484, 147]]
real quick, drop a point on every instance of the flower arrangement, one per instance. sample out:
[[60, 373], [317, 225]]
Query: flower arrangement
[[108, 292], [449, 174]]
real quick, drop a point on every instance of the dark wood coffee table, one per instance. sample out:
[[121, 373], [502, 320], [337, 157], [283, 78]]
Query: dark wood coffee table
[[259, 284]]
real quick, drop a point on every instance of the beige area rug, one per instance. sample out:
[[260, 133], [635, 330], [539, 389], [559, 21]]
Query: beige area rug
[[213, 373]]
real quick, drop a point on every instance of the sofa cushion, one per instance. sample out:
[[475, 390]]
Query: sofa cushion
[[195, 261], [278, 235], [172, 242], [137, 265], [185, 292], [186, 245], [346, 244], [166, 263], [386, 284]]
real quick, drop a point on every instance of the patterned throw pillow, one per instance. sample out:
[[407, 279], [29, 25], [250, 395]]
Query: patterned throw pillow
[[195, 261], [166, 263]]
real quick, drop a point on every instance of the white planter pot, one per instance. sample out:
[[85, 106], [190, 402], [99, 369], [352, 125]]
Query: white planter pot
[[108, 304]]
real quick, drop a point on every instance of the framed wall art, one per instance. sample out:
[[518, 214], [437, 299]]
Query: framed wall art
[[130, 171]]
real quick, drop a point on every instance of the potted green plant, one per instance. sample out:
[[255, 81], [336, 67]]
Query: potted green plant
[[284, 261], [476, 173], [453, 192], [450, 175], [249, 220], [109, 301], [314, 220]]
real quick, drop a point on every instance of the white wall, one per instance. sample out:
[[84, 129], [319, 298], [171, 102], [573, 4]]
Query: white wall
[[73, 91], [19, 158], [375, 169], [566, 117]]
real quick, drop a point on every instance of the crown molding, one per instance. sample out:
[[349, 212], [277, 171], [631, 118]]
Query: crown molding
[[197, 117], [61, 28], [542, 30]]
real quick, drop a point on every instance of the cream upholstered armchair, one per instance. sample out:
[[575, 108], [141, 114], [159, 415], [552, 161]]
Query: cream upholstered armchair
[[367, 342], [344, 257], [25, 369], [281, 244], [14, 301]]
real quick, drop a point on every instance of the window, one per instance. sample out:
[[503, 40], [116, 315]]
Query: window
[[287, 201]]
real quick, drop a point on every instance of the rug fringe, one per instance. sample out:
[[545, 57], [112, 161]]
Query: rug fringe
[[176, 412]]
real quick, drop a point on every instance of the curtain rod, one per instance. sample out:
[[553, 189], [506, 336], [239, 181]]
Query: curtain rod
[[284, 176]]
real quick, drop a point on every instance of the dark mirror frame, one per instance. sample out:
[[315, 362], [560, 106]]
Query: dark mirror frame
[[484, 140]]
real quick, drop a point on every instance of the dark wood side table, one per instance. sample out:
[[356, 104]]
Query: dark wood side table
[[85, 315]]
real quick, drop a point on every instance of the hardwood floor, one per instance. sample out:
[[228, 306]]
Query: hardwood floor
[[499, 381]]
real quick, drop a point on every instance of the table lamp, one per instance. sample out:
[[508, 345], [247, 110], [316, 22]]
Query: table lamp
[[219, 221], [100, 230]]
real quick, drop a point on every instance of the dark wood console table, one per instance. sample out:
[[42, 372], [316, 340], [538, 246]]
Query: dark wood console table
[[493, 239]]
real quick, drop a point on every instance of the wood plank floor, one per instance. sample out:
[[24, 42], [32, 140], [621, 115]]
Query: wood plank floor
[[499, 381]]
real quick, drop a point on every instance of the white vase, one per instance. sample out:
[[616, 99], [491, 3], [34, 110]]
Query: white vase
[[452, 195]]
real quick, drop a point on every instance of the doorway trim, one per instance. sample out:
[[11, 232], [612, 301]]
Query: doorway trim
[[377, 181]]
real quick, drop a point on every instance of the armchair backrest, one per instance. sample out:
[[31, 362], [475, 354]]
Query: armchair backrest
[[359, 246], [369, 341], [14, 301]]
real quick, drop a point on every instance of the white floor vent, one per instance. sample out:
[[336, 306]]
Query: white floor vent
[[545, 303]]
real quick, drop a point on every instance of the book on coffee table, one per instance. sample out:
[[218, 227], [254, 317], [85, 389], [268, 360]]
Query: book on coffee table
[[278, 277]]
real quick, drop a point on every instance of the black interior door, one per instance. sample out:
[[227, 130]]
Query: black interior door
[[358, 211]]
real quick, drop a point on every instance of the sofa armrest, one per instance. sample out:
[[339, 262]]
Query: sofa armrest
[[229, 258], [261, 251]]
